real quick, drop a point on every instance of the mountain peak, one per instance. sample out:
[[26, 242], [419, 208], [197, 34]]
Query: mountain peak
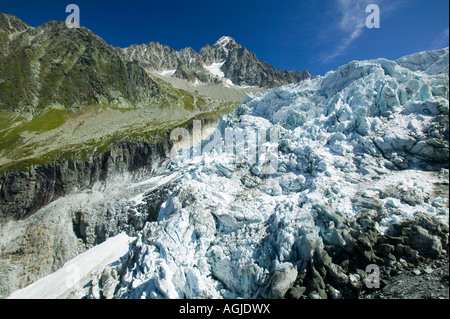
[[223, 41], [226, 59], [12, 24]]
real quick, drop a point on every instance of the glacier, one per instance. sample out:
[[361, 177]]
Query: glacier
[[355, 170]]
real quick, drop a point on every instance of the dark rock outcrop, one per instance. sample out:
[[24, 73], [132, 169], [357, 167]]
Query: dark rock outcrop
[[46, 226], [340, 269], [24, 192]]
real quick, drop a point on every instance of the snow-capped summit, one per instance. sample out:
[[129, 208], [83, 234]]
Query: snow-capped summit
[[238, 65], [224, 46], [223, 41]]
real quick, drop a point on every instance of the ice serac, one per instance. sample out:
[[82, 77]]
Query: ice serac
[[430, 62], [362, 178]]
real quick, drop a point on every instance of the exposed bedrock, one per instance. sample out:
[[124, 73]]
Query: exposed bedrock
[[24, 192]]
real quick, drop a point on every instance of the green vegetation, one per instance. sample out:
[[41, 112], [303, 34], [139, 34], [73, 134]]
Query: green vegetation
[[46, 121], [12, 139], [9, 119], [18, 143]]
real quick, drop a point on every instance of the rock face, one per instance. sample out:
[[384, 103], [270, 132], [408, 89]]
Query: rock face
[[52, 213], [24, 192], [10, 26], [225, 60]]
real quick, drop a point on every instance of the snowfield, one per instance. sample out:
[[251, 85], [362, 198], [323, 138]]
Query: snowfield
[[77, 272], [358, 151]]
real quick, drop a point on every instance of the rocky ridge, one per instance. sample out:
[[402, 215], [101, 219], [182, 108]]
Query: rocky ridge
[[52, 66], [225, 60]]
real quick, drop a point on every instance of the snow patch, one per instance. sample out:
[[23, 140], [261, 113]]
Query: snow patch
[[77, 272], [223, 41], [214, 68], [167, 73]]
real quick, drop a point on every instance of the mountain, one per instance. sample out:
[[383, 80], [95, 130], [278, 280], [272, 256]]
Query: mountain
[[55, 80], [74, 111], [303, 74], [57, 84], [319, 189], [52, 66], [225, 62], [10, 26]]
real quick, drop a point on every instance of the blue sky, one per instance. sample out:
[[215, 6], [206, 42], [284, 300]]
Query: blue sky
[[319, 35]]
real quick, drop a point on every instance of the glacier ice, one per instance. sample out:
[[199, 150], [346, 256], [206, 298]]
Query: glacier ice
[[429, 62], [362, 143], [227, 231]]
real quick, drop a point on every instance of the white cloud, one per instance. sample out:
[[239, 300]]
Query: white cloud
[[441, 40], [351, 22], [350, 25], [353, 14]]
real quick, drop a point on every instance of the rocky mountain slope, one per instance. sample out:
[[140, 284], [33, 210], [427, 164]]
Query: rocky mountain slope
[[57, 84], [318, 180], [225, 62], [52, 66]]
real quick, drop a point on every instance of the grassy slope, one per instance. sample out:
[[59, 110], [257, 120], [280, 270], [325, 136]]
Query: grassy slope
[[61, 134]]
